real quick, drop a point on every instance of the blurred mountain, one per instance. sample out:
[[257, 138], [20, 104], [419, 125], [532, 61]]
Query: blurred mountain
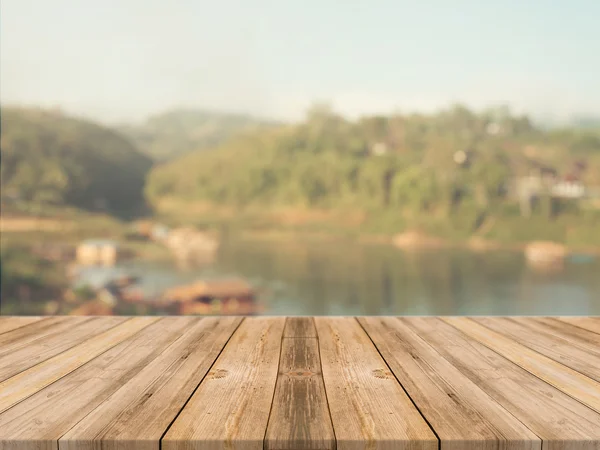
[[52, 158], [178, 132]]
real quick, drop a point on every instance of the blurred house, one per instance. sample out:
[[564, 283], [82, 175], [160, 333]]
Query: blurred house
[[97, 252], [379, 149], [543, 180], [568, 189]]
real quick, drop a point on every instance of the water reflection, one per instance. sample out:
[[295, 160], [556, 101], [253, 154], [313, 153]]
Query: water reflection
[[333, 278], [294, 278]]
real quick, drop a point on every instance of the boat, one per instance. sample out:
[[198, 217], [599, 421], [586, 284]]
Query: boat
[[223, 297]]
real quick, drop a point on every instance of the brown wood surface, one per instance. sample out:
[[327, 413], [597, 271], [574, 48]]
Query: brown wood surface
[[569, 381], [300, 417], [15, 360], [545, 340], [156, 394], [461, 413], [369, 409], [300, 327], [230, 410], [301, 383], [30, 381], [9, 323], [37, 422], [588, 340], [587, 323], [562, 422], [23, 336]]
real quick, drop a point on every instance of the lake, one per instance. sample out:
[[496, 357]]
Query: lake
[[333, 278]]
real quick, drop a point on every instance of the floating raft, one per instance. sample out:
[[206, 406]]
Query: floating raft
[[299, 383]]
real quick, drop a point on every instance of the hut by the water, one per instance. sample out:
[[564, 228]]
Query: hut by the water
[[97, 252], [231, 296]]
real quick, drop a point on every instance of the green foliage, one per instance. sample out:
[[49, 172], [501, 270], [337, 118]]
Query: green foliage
[[26, 278], [399, 169], [48, 158]]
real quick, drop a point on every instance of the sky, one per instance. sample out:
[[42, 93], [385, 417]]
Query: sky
[[123, 60]]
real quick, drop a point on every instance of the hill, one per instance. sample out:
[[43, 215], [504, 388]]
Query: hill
[[182, 131], [49, 158], [401, 171]]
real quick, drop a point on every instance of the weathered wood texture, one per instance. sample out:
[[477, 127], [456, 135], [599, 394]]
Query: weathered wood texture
[[301, 383], [300, 414], [230, 409], [558, 375], [461, 413], [369, 409], [155, 395], [557, 418], [587, 323], [9, 323]]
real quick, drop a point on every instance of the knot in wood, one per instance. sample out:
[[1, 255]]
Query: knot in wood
[[300, 373], [382, 373], [217, 373]]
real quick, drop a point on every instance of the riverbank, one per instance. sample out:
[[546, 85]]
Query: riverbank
[[466, 227], [474, 244], [507, 234]]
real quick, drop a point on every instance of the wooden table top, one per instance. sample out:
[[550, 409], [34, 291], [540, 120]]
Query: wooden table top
[[299, 383]]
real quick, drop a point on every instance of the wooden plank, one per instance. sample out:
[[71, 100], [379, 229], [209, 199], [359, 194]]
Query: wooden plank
[[153, 398], [369, 409], [585, 339], [542, 339], [40, 420], [28, 382], [38, 350], [300, 417], [9, 323], [587, 323], [299, 327], [578, 386], [562, 422], [230, 409], [461, 413], [22, 336]]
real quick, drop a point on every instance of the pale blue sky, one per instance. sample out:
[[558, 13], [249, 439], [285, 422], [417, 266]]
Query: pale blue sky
[[125, 59]]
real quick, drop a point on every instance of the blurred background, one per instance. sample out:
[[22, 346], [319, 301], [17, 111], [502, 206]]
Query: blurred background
[[301, 157]]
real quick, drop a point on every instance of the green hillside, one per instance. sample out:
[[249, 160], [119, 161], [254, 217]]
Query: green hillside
[[399, 170], [179, 132], [48, 158]]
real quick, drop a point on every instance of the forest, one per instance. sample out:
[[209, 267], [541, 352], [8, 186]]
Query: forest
[[450, 173], [52, 159], [400, 171]]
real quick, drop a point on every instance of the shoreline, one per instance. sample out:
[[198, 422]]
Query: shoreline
[[415, 240], [430, 242]]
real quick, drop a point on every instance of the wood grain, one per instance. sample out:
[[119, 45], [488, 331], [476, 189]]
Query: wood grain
[[154, 396], [230, 410], [35, 378], [546, 341], [461, 413], [23, 336], [578, 386], [562, 422], [587, 323], [16, 360], [300, 417], [299, 327], [9, 323], [270, 383], [40, 420], [576, 336], [369, 409]]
